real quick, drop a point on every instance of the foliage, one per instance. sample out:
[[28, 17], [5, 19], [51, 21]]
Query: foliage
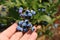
[[35, 4]]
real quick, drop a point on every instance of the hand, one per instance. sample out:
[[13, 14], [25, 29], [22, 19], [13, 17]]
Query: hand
[[11, 34]]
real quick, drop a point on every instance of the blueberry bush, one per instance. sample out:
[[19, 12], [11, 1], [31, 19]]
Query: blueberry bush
[[43, 13]]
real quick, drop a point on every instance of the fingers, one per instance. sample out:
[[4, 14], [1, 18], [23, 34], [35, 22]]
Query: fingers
[[2, 37], [33, 36], [16, 36], [26, 36], [10, 31]]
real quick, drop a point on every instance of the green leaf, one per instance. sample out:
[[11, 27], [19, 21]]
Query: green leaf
[[46, 18]]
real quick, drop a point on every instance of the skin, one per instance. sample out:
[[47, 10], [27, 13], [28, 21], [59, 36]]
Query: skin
[[11, 34]]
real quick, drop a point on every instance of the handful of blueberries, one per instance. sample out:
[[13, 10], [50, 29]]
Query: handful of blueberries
[[25, 25]]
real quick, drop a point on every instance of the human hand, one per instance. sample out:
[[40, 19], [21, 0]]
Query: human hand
[[11, 34]]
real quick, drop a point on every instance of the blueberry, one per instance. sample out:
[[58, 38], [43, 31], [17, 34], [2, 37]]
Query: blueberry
[[21, 22], [32, 29], [25, 29], [29, 25], [29, 14], [26, 20], [20, 10], [24, 24], [33, 12], [28, 11], [19, 28], [43, 9]]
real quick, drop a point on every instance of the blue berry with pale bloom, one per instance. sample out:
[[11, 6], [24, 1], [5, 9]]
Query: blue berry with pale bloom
[[43, 9], [29, 14], [28, 11], [29, 25], [19, 28], [21, 22], [20, 9], [32, 29], [26, 20], [25, 30], [24, 25], [33, 12]]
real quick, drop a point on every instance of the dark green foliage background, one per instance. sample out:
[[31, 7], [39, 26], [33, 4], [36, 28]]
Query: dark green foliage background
[[51, 8]]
